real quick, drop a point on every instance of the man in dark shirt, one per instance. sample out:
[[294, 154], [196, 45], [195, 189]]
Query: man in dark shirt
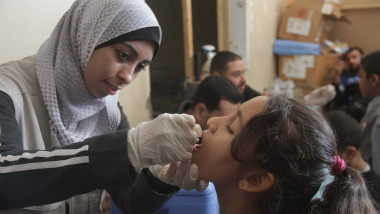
[[348, 96], [231, 66]]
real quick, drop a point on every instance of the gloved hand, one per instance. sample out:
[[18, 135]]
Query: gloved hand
[[321, 96], [166, 139], [182, 174]]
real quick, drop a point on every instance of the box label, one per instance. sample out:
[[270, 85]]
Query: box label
[[298, 26], [308, 61], [327, 8], [293, 70], [297, 67]]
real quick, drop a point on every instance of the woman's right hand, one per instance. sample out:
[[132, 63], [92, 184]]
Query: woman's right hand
[[166, 139]]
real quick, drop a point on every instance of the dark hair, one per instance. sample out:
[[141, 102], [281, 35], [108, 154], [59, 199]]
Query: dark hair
[[371, 63], [213, 89], [147, 33], [352, 49], [346, 128], [297, 145], [220, 60]]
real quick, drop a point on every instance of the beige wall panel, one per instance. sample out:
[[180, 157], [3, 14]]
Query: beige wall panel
[[263, 20]]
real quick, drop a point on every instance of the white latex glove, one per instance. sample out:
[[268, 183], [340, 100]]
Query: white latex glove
[[182, 174], [166, 139], [321, 96]]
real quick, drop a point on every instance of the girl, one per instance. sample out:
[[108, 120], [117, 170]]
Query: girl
[[272, 156]]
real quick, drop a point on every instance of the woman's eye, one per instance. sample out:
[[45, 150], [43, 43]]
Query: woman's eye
[[123, 56], [229, 129], [140, 67]]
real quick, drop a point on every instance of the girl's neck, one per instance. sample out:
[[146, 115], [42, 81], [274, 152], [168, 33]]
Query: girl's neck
[[233, 200]]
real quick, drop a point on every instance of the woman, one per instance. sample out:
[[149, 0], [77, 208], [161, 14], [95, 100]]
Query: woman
[[59, 117], [272, 156]]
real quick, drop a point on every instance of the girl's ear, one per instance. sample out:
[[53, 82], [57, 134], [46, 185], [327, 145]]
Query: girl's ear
[[257, 181]]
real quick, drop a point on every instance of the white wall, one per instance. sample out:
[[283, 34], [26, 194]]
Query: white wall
[[254, 25], [26, 24], [263, 22]]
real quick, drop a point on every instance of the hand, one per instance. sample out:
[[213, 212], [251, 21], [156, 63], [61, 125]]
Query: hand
[[321, 96], [182, 174], [166, 139]]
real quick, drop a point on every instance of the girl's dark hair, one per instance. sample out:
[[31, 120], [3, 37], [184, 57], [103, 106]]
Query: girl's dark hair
[[297, 145]]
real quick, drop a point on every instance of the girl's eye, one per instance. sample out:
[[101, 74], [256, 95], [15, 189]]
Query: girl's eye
[[123, 56], [229, 129]]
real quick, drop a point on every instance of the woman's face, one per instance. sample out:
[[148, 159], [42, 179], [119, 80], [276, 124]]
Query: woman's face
[[112, 67], [214, 157]]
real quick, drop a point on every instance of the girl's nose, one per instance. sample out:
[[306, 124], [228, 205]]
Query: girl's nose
[[211, 124]]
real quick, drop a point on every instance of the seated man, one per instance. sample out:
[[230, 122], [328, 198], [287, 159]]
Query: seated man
[[215, 96], [349, 136], [348, 96], [231, 66]]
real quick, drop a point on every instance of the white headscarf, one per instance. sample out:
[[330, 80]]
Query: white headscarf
[[61, 61]]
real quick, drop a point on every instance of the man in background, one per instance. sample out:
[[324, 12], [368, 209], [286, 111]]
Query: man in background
[[348, 96], [231, 66], [214, 97]]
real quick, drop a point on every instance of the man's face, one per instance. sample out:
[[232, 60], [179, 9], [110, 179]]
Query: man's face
[[353, 59], [235, 73]]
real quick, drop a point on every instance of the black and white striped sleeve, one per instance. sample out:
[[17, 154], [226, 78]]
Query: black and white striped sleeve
[[29, 178], [42, 177]]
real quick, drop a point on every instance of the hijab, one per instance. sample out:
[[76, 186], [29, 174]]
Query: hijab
[[74, 114]]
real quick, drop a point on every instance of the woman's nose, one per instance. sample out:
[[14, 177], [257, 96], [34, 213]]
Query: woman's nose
[[126, 74]]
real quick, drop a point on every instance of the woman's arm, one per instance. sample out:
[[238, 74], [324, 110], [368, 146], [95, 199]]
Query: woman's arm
[[29, 178], [146, 196]]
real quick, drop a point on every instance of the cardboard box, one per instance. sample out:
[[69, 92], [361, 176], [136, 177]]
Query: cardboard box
[[307, 71], [310, 21], [362, 4]]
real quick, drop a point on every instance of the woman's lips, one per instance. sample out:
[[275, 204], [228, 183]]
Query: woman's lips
[[112, 89]]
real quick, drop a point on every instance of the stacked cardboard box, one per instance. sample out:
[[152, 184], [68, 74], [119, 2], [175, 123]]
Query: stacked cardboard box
[[308, 21]]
